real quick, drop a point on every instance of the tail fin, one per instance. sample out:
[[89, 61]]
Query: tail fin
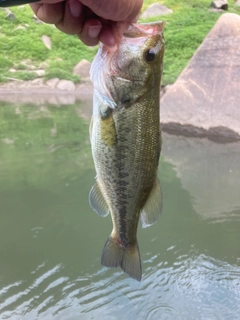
[[126, 258]]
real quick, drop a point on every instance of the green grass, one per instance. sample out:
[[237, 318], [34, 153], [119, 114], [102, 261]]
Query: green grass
[[17, 45], [61, 69], [185, 29]]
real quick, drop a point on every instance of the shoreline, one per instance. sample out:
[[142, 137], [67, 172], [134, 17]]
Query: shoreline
[[40, 93], [31, 92]]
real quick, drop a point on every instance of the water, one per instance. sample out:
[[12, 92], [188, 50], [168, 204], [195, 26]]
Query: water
[[51, 241]]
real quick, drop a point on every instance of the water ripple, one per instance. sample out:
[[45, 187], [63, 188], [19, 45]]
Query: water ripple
[[191, 287]]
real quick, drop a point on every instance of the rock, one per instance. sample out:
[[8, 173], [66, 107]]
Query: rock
[[20, 28], [9, 15], [66, 85], [83, 69], [237, 3], [47, 42], [156, 9], [164, 89], [204, 100], [43, 65], [220, 4], [37, 82], [40, 72], [52, 83], [27, 63]]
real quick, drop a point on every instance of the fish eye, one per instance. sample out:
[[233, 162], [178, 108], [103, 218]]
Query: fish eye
[[149, 55]]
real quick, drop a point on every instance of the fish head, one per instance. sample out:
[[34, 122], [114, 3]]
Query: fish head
[[133, 68]]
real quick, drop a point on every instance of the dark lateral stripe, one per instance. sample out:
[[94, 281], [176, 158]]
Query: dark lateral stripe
[[123, 225]]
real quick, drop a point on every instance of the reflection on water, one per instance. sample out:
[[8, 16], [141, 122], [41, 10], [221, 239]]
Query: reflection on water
[[51, 241], [210, 172]]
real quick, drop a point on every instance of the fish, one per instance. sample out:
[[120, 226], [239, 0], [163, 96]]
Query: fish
[[126, 140]]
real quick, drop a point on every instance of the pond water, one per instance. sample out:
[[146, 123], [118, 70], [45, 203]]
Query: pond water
[[51, 240]]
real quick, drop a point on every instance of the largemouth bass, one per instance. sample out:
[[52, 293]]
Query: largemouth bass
[[126, 140]]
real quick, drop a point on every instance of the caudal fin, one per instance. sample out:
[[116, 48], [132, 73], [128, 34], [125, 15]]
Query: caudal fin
[[128, 258]]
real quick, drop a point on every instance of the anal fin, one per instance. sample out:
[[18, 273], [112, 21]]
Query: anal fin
[[152, 209], [97, 201]]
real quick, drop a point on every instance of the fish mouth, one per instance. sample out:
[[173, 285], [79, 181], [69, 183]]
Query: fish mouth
[[135, 31]]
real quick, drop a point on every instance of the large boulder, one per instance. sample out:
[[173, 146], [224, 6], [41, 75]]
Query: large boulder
[[52, 83], [209, 172], [65, 85], [205, 99]]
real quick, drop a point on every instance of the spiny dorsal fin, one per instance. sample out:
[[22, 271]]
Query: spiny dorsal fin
[[97, 201], [153, 206]]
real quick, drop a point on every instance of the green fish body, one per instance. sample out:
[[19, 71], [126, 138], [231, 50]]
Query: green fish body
[[126, 140]]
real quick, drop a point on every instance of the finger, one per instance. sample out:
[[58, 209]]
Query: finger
[[107, 37], [115, 10], [65, 15], [90, 32], [49, 13], [71, 21]]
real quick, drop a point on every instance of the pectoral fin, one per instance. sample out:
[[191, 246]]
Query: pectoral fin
[[153, 206], [97, 201]]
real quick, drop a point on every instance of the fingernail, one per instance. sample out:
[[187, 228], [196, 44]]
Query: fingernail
[[75, 8], [94, 31]]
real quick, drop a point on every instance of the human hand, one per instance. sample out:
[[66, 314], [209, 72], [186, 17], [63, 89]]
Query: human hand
[[91, 20]]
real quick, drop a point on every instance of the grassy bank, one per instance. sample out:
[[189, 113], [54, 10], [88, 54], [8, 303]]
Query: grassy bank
[[21, 47]]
